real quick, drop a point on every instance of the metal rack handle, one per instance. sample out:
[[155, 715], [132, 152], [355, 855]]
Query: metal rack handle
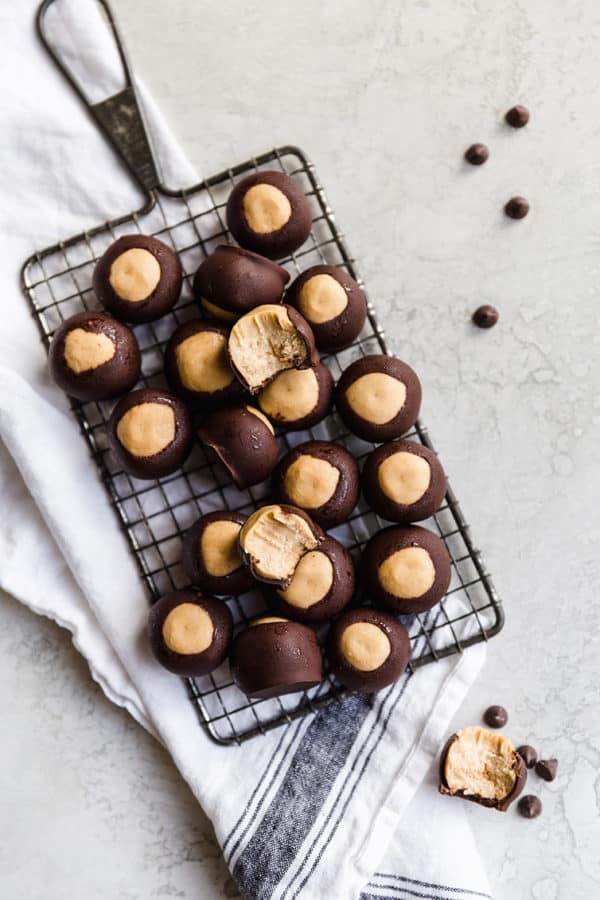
[[119, 116]]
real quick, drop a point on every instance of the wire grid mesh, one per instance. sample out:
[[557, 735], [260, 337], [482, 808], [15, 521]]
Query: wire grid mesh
[[155, 514]]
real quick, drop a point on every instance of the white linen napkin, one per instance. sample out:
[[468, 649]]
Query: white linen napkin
[[312, 810]]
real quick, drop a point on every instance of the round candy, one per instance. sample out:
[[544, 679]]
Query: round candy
[[273, 541], [211, 558], [150, 433], [403, 481], [268, 340], [268, 213], [138, 279], [197, 366], [94, 357], [322, 584], [244, 440], [482, 766], [190, 634], [274, 656], [320, 477], [406, 568], [368, 649], [297, 399], [378, 398], [232, 281], [332, 303]]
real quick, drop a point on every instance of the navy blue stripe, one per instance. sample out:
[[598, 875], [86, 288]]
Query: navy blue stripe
[[431, 884], [403, 892], [314, 767]]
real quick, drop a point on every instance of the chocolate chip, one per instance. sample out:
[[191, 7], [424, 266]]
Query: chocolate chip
[[517, 208], [477, 154], [529, 806], [528, 754], [517, 117], [485, 316], [495, 716], [546, 769]]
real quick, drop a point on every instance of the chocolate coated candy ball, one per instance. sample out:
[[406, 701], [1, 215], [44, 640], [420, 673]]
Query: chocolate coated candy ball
[[244, 440], [150, 433], [477, 154], [268, 340], [404, 481], [332, 303], [190, 633], [517, 116], [298, 398], [197, 364], [483, 767], [517, 208], [274, 540], [269, 214], [211, 557], [94, 357], [368, 649], [485, 316], [406, 568], [322, 584], [232, 281], [274, 656], [379, 397], [320, 477], [138, 279], [495, 716]]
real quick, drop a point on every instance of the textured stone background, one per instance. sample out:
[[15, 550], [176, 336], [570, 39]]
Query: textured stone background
[[384, 96]]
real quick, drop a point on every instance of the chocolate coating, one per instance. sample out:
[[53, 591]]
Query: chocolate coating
[[195, 563], [517, 116], [103, 382], [337, 332], [385, 505], [236, 280], [375, 680], [282, 241], [501, 804], [528, 754], [406, 416], [274, 658], [201, 394], [191, 664], [285, 412], [165, 461], [339, 505], [546, 769], [337, 597], [387, 542], [495, 717], [163, 297], [243, 442], [517, 208], [477, 154], [529, 806], [485, 316]]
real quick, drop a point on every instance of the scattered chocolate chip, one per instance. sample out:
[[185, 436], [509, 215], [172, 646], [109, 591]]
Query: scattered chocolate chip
[[528, 754], [477, 154], [517, 208], [529, 806], [546, 769], [485, 316], [495, 716], [517, 117]]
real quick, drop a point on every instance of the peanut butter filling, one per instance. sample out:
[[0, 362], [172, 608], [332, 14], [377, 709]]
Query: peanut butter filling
[[275, 540], [376, 397], [266, 619], [480, 763], [259, 415], [311, 582], [266, 208], [219, 548], [365, 646], [322, 298], [217, 311], [203, 363], [188, 629], [291, 396], [311, 482], [404, 477], [87, 350], [407, 573], [147, 429], [134, 275], [264, 342]]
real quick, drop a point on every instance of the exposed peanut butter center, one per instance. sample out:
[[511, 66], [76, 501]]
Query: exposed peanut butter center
[[292, 395], [219, 548], [259, 415], [322, 298], [202, 362], [266, 208], [217, 311], [86, 350], [266, 619], [365, 646], [481, 762], [188, 629], [310, 482], [134, 274], [276, 540], [311, 582], [147, 429], [376, 397], [407, 573], [264, 342], [404, 477]]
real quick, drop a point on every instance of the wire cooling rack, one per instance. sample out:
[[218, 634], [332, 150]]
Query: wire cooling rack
[[155, 514]]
